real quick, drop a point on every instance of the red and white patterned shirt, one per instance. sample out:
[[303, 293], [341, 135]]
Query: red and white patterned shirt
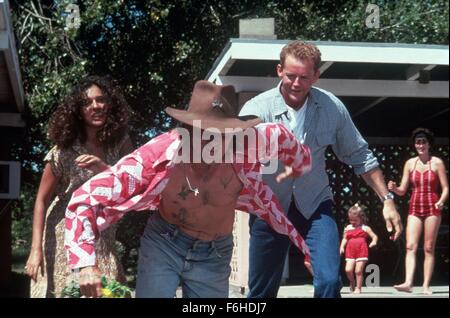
[[138, 179]]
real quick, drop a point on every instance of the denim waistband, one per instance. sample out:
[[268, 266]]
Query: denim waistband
[[165, 228]]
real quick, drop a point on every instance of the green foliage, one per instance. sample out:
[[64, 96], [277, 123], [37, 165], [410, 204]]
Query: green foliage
[[110, 289], [51, 62], [158, 49], [402, 21], [72, 290], [22, 211]]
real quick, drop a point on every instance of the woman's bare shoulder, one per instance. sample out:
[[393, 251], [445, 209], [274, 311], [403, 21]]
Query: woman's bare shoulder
[[410, 162]]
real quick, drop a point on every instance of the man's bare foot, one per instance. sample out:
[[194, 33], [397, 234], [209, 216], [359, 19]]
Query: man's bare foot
[[403, 288], [427, 291], [357, 291]]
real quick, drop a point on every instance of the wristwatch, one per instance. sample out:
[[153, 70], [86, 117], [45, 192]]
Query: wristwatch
[[388, 196]]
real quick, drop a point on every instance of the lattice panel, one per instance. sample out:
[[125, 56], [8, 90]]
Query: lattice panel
[[349, 188]]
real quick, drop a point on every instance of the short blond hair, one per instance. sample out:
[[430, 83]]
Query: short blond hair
[[301, 51], [356, 210]]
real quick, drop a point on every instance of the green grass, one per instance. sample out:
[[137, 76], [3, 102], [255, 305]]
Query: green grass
[[19, 284]]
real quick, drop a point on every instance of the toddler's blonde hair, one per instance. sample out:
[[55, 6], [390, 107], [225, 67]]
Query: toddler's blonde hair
[[356, 210]]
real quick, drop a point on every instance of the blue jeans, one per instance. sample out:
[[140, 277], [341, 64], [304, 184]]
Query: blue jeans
[[268, 251], [168, 258]]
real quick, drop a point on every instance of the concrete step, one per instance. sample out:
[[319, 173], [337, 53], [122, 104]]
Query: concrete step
[[307, 291]]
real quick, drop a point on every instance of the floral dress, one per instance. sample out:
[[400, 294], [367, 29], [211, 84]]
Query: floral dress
[[56, 273]]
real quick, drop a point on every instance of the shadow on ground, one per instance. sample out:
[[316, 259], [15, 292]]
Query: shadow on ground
[[18, 286]]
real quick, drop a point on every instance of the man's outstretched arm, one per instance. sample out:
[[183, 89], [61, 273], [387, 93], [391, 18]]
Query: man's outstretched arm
[[375, 179]]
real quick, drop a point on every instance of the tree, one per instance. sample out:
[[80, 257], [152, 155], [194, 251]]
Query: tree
[[158, 49]]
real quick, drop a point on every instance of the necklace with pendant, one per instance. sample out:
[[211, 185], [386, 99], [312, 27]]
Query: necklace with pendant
[[195, 190]]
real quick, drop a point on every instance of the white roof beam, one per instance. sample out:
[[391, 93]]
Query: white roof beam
[[350, 87], [249, 83], [385, 88], [350, 52], [325, 66], [241, 49], [8, 46], [412, 73], [225, 60], [227, 67]]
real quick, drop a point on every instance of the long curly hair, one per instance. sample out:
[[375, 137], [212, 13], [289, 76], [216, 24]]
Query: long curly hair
[[67, 125]]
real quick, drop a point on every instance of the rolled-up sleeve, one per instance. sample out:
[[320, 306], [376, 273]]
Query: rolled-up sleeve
[[350, 147]]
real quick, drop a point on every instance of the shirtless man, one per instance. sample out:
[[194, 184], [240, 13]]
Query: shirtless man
[[188, 238], [205, 216]]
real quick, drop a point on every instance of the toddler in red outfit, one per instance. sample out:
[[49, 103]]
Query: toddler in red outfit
[[354, 246]]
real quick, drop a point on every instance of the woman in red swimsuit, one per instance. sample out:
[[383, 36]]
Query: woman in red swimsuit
[[426, 174]]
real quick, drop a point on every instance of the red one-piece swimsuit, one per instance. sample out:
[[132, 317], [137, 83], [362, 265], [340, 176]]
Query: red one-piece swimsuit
[[424, 196], [356, 248]]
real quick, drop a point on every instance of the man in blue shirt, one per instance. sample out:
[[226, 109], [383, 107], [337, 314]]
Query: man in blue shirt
[[319, 119]]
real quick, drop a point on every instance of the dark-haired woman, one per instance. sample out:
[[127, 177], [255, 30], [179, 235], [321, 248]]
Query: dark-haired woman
[[89, 130], [426, 174]]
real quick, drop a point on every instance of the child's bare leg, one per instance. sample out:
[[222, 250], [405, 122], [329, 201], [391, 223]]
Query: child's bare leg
[[349, 269], [359, 273]]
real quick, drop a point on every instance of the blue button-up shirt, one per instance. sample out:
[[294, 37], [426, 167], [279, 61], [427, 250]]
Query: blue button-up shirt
[[327, 123]]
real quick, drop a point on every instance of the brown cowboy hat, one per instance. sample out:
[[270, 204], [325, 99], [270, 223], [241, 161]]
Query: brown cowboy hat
[[213, 106]]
